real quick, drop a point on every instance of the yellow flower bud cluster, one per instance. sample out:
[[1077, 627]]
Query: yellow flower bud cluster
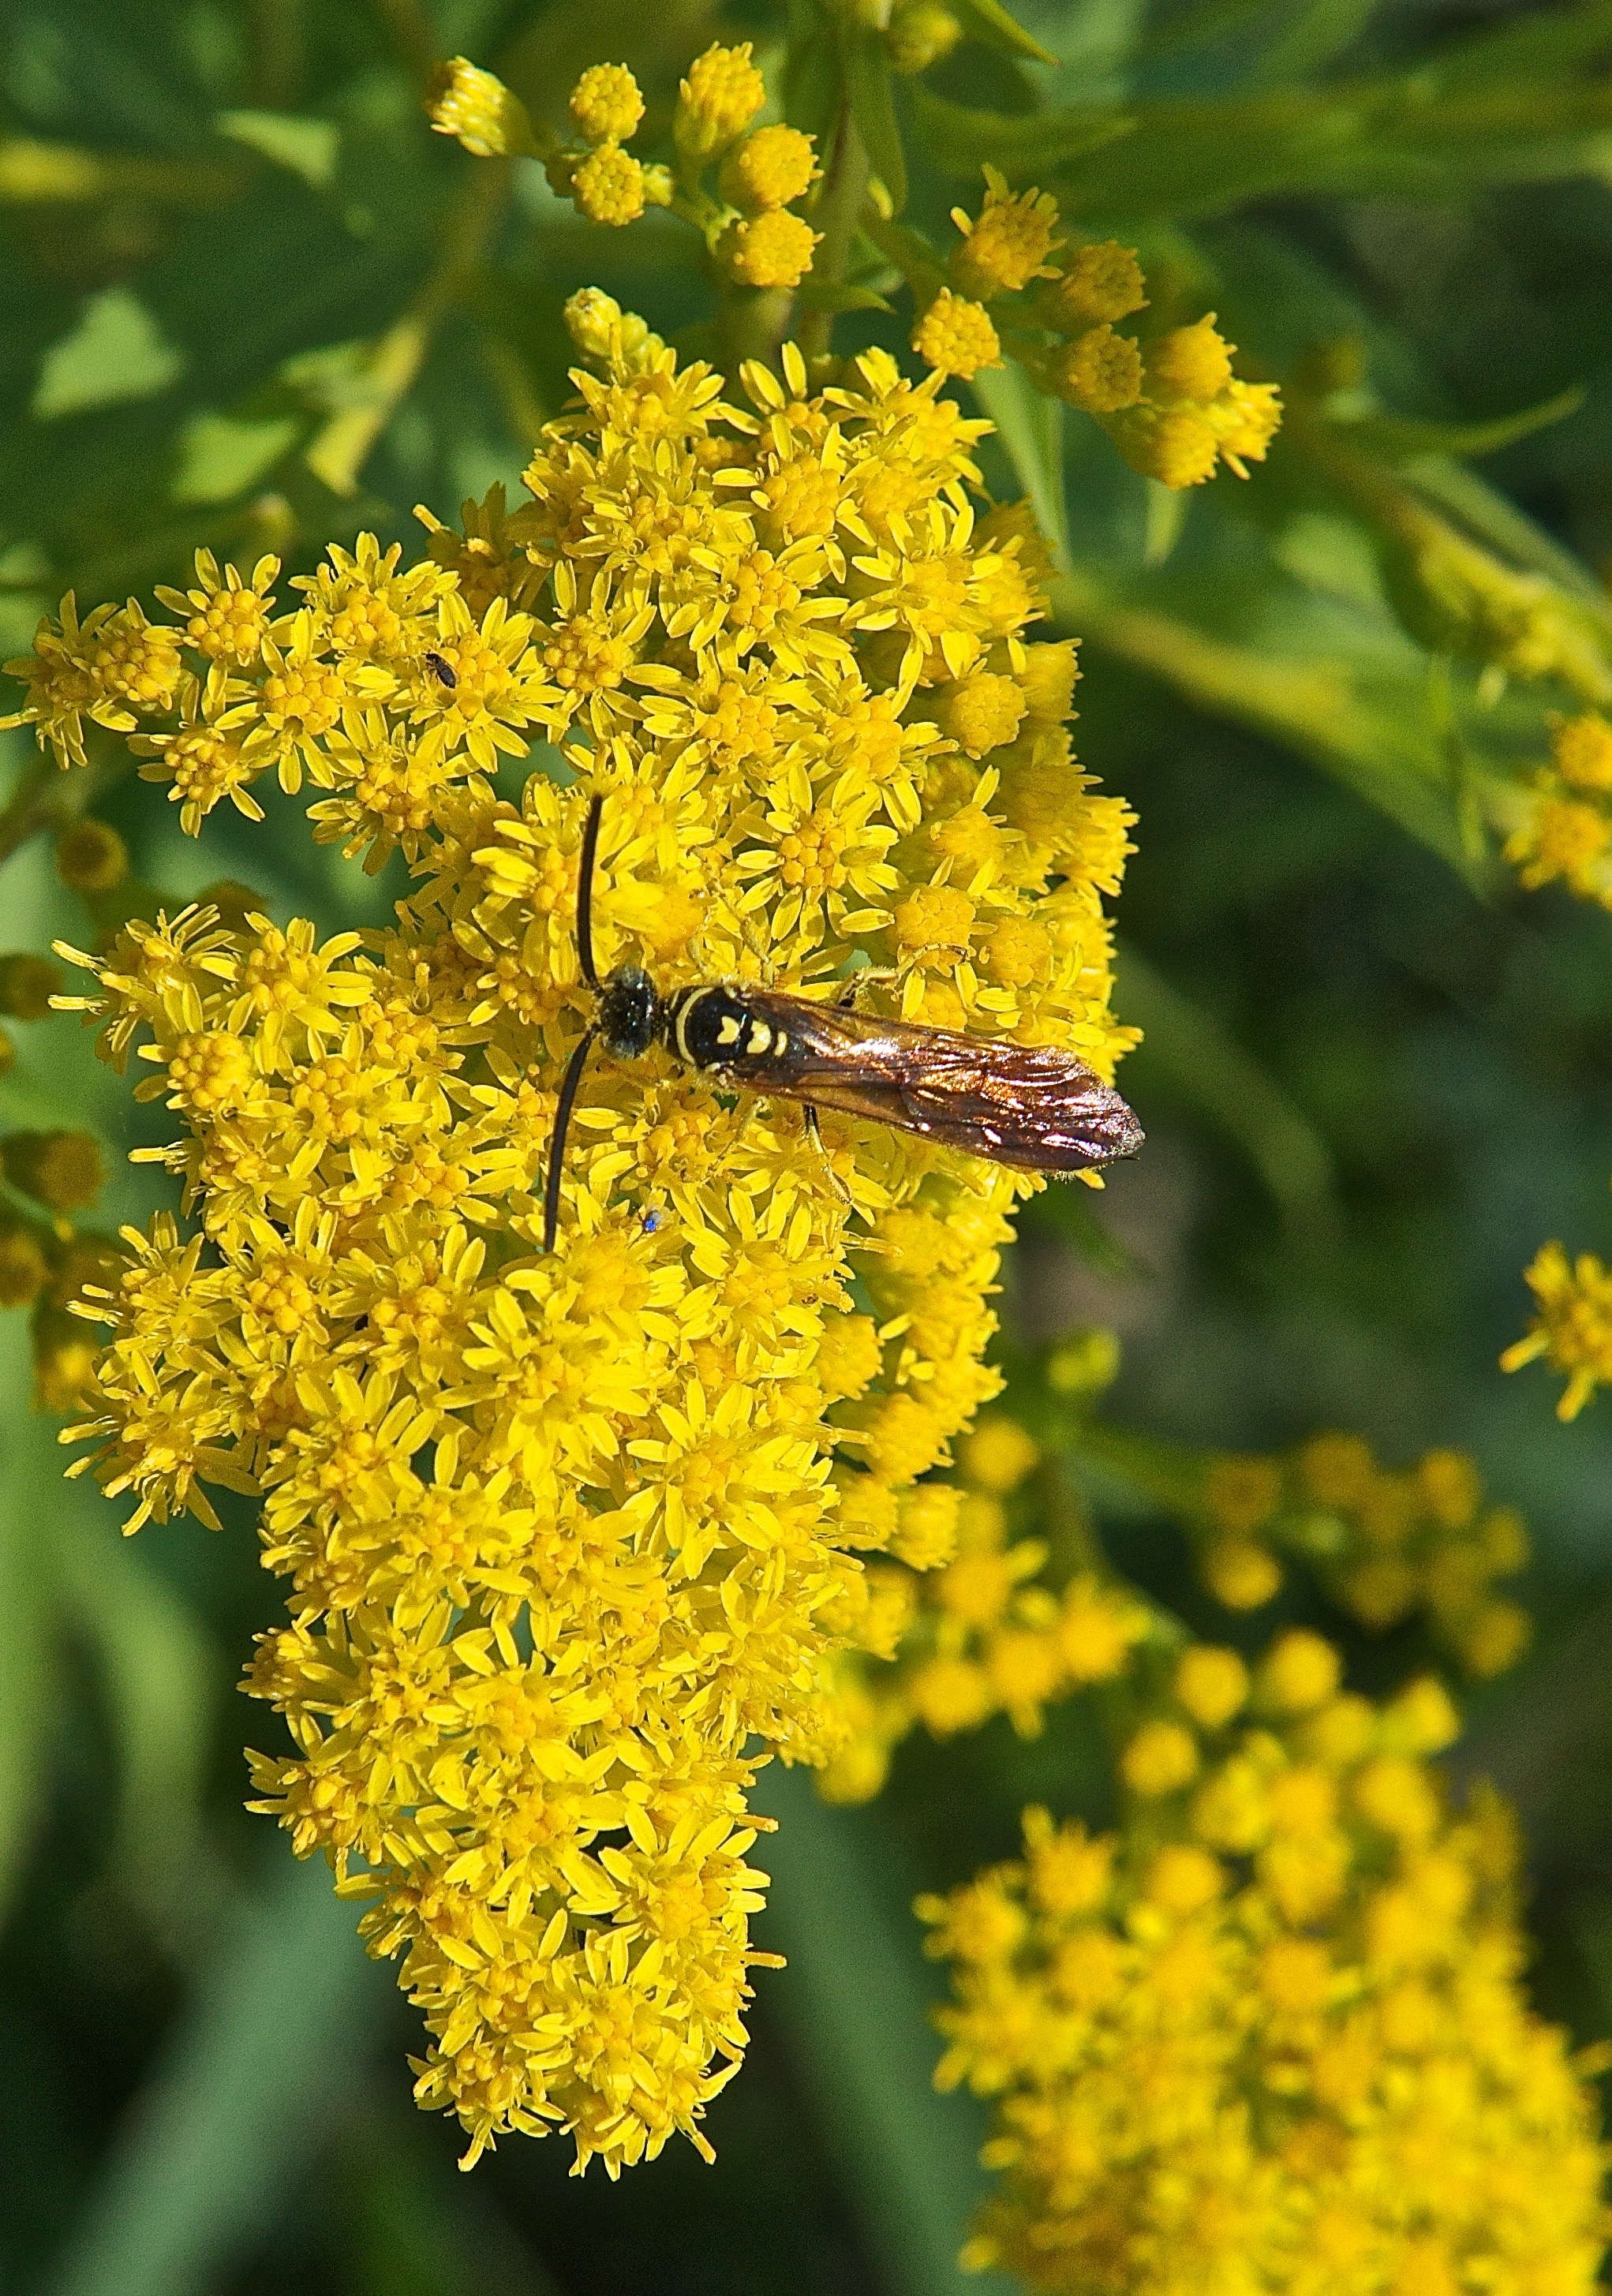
[[981, 1633], [1572, 1326], [569, 1536], [1271, 2034], [921, 33], [1173, 408], [1560, 820], [1386, 1544], [607, 182], [754, 238], [1191, 412]]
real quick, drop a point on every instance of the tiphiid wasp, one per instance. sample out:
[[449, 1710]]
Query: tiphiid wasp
[[1019, 1104]]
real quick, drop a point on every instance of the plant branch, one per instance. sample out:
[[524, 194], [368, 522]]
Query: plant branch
[[836, 214]]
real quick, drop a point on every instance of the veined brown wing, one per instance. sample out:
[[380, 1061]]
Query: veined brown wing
[[1029, 1106]]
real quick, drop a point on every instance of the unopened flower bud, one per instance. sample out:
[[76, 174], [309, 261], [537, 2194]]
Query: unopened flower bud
[[62, 1170], [476, 107], [606, 104], [717, 102], [91, 857], [22, 1268], [27, 985]]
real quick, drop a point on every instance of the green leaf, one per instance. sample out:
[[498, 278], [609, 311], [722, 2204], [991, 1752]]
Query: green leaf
[[961, 141], [116, 352], [1394, 137], [1311, 37], [856, 2006], [1408, 437], [989, 22], [263, 2058], [821, 295], [160, 1675], [1030, 426], [221, 456], [1357, 710], [811, 78], [29, 1465], [866, 67], [309, 148]]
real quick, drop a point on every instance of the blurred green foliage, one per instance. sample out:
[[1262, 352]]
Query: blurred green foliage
[[1374, 1076]]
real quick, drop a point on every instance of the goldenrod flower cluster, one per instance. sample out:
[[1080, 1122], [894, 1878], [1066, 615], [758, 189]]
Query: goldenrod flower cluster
[[750, 231], [1563, 815], [570, 1537], [1174, 408], [980, 1632], [1572, 1328], [1385, 1542], [1270, 2036]]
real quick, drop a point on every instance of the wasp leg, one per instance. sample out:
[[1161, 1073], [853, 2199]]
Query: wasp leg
[[870, 975], [813, 1132]]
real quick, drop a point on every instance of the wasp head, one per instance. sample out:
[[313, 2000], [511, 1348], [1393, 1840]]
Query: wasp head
[[629, 1012]]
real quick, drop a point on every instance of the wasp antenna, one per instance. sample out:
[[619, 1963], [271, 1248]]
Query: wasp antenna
[[585, 893], [562, 1117]]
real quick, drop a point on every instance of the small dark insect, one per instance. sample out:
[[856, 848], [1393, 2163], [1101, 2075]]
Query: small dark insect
[[650, 1223], [1018, 1105], [442, 668]]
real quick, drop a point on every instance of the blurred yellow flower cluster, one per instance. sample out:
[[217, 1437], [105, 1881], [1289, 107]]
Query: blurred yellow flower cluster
[[1271, 2034], [1386, 1543], [566, 1535], [1562, 827], [982, 1633], [1572, 1328]]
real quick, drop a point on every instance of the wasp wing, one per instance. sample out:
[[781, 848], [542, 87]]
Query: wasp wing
[[1021, 1104]]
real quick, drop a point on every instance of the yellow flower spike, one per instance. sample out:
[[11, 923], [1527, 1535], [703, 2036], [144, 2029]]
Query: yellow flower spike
[[1582, 748], [955, 336], [1304, 2064], [1007, 244], [569, 1537], [771, 168], [606, 104], [717, 102]]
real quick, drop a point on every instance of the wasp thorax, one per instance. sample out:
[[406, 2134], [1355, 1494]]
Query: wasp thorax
[[629, 1012]]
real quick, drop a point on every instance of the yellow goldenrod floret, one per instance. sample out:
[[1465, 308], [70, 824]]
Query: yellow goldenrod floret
[[717, 102], [570, 1539], [609, 187], [1007, 244], [1100, 372], [1582, 748], [477, 108], [1097, 283], [955, 335], [769, 169], [921, 33], [1191, 361], [771, 250], [1572, 1327], [606, 103], [1296, 2056]]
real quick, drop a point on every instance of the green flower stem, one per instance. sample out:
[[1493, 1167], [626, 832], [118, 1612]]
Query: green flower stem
[[836, 214]]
